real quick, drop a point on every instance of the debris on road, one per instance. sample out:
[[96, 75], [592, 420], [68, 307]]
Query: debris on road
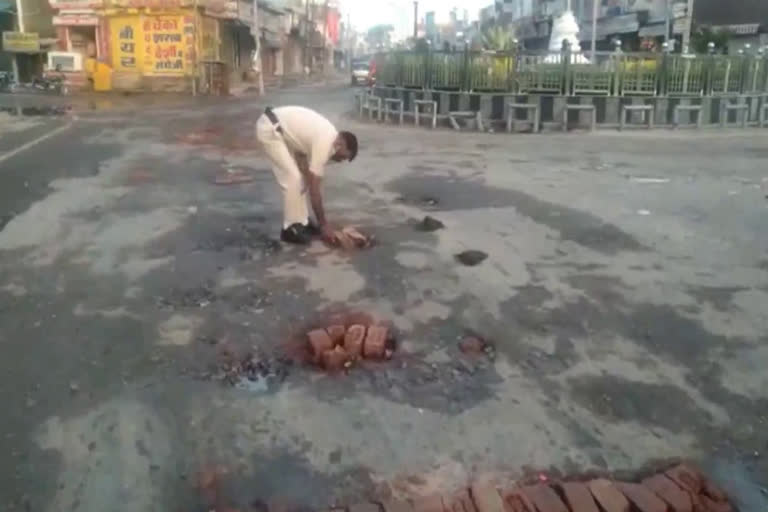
[[429, 224], [475, 345], [233, 177], [421, 201], [649, 181], [471, 258], [643, 212], [255, 373]]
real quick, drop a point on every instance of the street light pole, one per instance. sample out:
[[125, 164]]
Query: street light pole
[[415, 19], [688, 26], [666, 20]]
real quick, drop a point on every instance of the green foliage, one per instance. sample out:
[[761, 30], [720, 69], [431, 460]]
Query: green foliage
[[499, 38], [702, 36]]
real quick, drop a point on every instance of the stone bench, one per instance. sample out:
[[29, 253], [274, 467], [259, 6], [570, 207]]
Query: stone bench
[[417, 104], [688, 108], [374, 102], [726, 108], [395, 103], [580, 108], [528, 107], [764, 113], [647, 110], [466, 114]]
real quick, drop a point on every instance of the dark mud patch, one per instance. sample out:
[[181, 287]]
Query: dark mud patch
[[573, 225], [614, 399], [719, 297]]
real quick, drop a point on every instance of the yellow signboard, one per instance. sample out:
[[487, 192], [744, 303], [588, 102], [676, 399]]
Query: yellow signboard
[[126, 43], [21, 42], [164, 45]]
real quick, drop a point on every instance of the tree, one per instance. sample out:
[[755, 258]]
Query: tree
[[379, 36], [702, 36], [499, 38]]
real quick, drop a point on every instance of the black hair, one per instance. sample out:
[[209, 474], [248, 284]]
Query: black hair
[[350, 140]]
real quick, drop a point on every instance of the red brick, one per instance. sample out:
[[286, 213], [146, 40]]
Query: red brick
[[335, 360], [459, 501], [472, 345], [365, 507], [516, 500], [487, 498], [353, 341], [642, 497], [320, 343], [375, 342], [687, 477], [397, 506], [336, 332], [544, 498], [432, 503], [707, 504], [578, 497], [608, 496], [678, 499]]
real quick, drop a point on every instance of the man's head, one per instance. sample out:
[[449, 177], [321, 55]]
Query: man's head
[[346, 147]]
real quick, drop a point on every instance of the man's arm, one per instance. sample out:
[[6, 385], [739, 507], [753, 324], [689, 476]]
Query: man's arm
[[314, 184]]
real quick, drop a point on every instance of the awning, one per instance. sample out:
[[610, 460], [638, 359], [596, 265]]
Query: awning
[[655, 30]]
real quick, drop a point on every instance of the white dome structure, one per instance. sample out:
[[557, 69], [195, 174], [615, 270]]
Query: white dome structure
[[565, 28]]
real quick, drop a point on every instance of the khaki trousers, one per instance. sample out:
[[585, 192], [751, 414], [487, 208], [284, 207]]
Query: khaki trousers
[[286, 172]]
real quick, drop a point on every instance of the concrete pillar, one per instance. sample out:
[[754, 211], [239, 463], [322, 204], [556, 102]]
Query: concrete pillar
[[464, 101], [557, 108], [662, 112], [486, 106], [612, 109], [445, 103]]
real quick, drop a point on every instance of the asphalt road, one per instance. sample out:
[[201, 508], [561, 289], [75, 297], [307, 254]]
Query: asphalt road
[[625, 293]]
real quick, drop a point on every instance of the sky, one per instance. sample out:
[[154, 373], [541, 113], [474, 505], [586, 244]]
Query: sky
[[399, 13]]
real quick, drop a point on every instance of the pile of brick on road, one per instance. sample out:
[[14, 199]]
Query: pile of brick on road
[[337, 347], [679, 489]]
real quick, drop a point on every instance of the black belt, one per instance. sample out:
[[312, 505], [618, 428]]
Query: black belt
[[273, 119]]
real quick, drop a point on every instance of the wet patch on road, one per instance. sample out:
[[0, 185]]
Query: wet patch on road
[[718, 297], [453, 193]]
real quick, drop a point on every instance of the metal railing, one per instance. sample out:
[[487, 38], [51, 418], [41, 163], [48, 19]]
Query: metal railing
[[568, 73]]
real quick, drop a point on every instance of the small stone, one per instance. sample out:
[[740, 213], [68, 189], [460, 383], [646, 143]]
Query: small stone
[[578, 497], [74, 387], [429, 224], [375, 342], [31, 402], [471, 258], [608, 496], [353, 341], [669, 491], [472, 345], [335, 360], [320, 343], [336, 332]]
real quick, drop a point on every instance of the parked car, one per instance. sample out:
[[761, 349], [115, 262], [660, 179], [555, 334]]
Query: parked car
[[360, 72]]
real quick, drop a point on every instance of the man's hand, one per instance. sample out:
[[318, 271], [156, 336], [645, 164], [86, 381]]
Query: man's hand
[[329, 235]]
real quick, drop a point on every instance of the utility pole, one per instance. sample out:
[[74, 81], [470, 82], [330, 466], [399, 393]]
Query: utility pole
[[20, 17], [595, 12], [308, 39], [415, 20], [325, 37], [256, 33], [666, 20], [688, 26]]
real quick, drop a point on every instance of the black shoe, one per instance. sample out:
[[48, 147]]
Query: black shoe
[[312, 228], [295, 234]]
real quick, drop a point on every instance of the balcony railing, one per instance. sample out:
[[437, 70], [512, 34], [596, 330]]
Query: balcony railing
[[567, 73]]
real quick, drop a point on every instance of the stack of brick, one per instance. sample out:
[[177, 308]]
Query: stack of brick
[[337, 347], [679, 489]]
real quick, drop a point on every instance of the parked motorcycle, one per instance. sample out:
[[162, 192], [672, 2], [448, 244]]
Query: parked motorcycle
[[55, 81]]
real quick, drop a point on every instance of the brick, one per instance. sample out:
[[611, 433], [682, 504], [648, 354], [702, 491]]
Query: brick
[[472, 345], [459, 501], [432, 503], [365, 507], [608, 496], [375, 342], [337, 333], [487, 498], [686, 477], [578, 497], [397, 506], [320, 343], [544, 498], [335, 360], [707, 504], [642, 497], [666, 489], [517, 501], [353, 341]]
